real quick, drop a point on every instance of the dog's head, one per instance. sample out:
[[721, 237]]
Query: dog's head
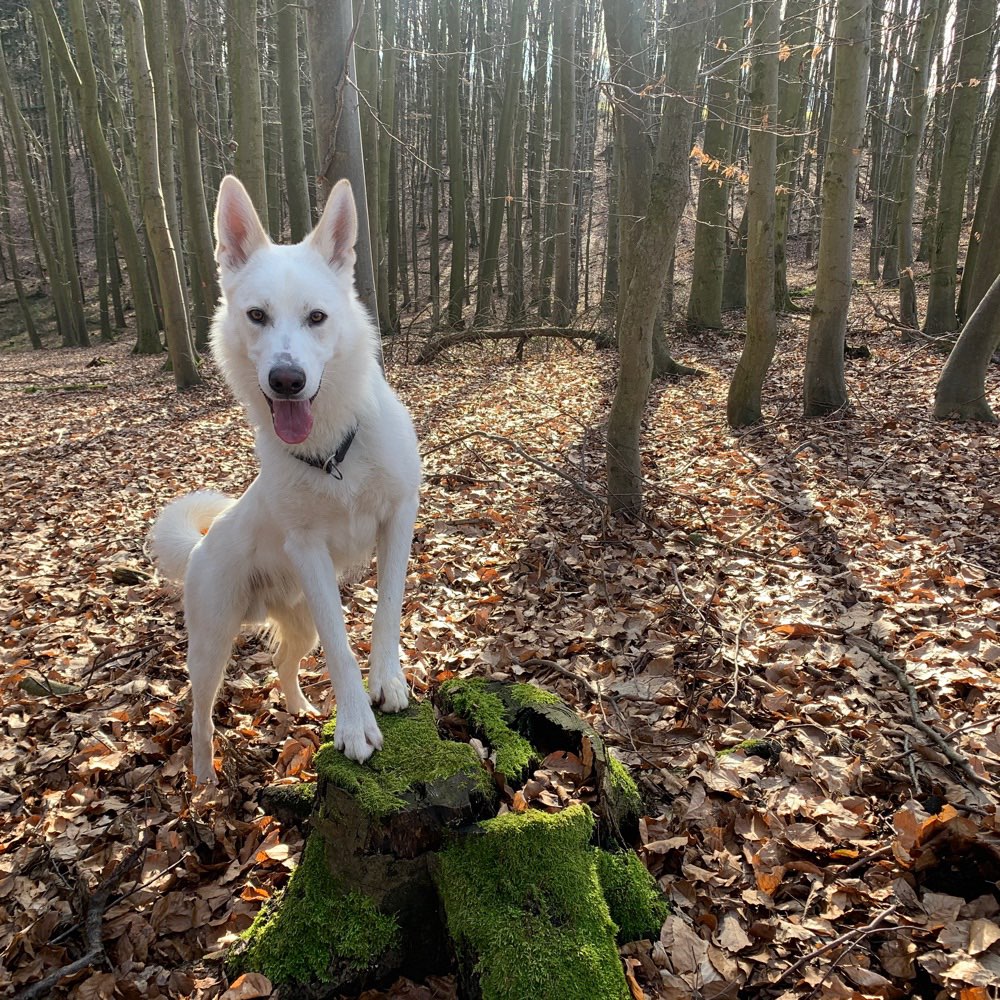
[[290, 311]]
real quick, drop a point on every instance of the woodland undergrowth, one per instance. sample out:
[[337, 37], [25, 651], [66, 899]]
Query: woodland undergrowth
[[830, 587]]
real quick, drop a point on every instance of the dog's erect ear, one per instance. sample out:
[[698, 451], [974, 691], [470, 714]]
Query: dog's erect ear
[[337, 230], [238, 232]]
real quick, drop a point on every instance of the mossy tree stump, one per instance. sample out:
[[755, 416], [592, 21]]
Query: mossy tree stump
[[408, 870]]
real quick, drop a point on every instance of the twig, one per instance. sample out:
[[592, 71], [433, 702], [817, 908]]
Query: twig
[[95, 905], [939, 741], [591, 687], [852, 935], [528, 457]]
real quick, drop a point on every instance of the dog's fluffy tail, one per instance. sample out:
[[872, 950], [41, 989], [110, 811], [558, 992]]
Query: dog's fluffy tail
[[180, 527]]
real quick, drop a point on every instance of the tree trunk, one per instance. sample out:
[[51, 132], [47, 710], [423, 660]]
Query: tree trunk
[[915, 121], [248, 116], [961, 390], [199, 228], [564, 55], [502, 158], [337, 124], [72, 323], [290, 104], [82, 80], [743, 407], [153, 210], [975, 16], [456, 167], [798, 29], [649, 260], [10, 242], [704, 308], [982, 261], [825, 390]]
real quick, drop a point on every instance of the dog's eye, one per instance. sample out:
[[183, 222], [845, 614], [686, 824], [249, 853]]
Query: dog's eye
[[316, 317], [256, 315]]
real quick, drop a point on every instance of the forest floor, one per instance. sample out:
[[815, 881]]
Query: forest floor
[[832, 587]]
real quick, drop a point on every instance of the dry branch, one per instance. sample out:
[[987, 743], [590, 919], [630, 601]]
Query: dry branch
[[433, 348]]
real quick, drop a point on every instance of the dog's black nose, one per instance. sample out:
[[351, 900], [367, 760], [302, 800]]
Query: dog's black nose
[[286, 380]]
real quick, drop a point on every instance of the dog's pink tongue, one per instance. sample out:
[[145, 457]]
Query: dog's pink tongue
[[292, 419]]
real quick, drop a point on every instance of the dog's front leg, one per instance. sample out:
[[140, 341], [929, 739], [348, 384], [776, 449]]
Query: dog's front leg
[[387, 686], [357, 732]]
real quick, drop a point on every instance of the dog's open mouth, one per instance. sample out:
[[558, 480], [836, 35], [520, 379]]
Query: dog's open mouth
[[292, 418]]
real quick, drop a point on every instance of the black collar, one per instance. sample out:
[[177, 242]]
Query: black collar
[[332, 464]]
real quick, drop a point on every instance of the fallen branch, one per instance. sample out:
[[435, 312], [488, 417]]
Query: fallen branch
[[585, 491], [434, 347], [93, 916], [852, 935], [936, 738]]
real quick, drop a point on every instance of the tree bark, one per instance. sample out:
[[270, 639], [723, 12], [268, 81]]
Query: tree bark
[[704, 308], [982, 261], [292, 144], [649, 259], [81, 78], [199, 227], [961, 389], [502, 159], [456, 167], [564, 54], [825, 389], [743, 407], [797, 30], [915, 120], [975, 16], [153, 210], [245, 99], [330, 24]]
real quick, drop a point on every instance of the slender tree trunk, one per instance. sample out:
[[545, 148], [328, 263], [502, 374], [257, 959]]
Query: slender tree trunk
[[564, 54], [456, 167], [73, 324], [199, 228], [337, 124], [825, 390], [11, 246], [704, 308], [649, 261], [982, 261], [388, 220], [915, 120], [82, 80], [248, 116], [798, 29], [292, 144], [961, 390], [153, 210], [502, 172], [744, 404], [536, 147], [977, 16], [434, 157]]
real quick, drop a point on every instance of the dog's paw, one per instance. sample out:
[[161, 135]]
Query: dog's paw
[[357, 734], [388, 689], [204, 767], [298, 704]]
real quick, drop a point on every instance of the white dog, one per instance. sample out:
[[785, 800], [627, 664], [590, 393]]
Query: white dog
[[339, 476]]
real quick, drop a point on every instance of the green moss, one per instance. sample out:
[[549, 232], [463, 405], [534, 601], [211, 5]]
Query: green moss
[[486, 714], [528, 694], [412, 754], [767, 749], [623, 796], [313, 927], [634, 899], [525, 909]]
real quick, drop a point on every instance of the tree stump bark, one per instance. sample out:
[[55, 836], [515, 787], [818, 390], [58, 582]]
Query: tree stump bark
[[408, 870]]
